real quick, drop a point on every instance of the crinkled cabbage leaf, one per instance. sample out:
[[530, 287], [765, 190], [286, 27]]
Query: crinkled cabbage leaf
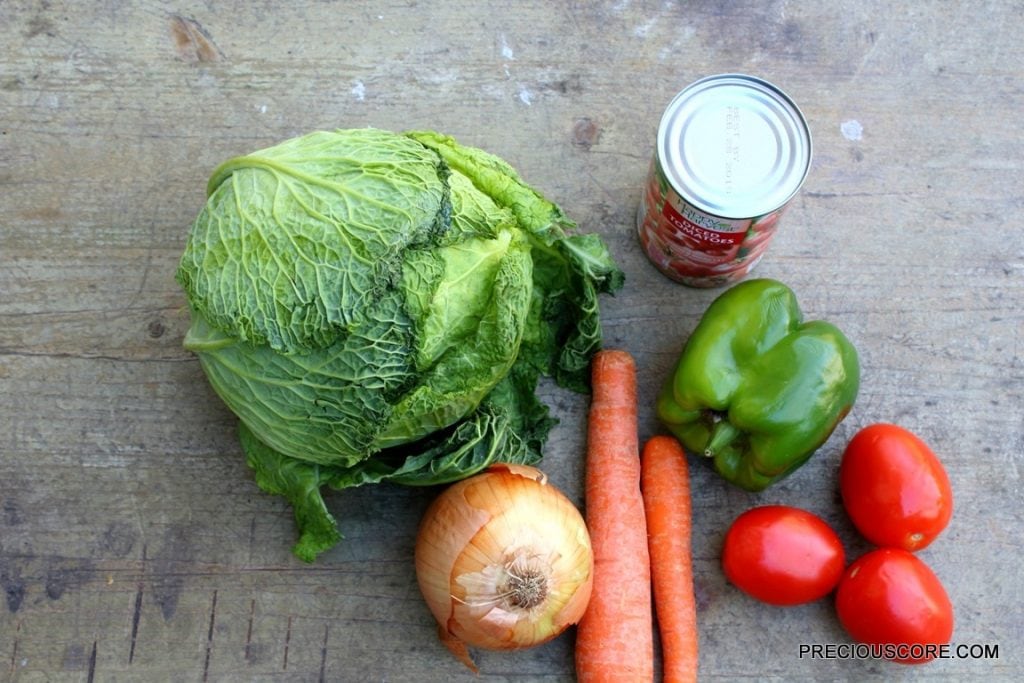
[[380, 307]]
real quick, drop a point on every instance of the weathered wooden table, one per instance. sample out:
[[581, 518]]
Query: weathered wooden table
[[134, 545]]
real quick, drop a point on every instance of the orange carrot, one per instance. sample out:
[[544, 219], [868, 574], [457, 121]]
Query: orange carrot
[[665, 483], [615, 638]]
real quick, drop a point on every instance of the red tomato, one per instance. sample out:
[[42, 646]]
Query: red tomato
[[889, 597], [782, 555], [894, 488]]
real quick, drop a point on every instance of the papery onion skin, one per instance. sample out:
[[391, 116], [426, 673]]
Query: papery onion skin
[[504, 561]]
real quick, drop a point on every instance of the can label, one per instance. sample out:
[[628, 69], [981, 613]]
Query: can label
[[732, 151], [694, 247]]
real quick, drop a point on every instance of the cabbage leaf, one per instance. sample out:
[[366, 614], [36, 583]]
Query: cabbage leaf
[[379, 307]]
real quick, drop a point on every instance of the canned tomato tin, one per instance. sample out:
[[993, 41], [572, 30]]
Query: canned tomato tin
[[732, 151]]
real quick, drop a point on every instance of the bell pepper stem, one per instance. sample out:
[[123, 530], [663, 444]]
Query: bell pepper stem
[[722, 434]]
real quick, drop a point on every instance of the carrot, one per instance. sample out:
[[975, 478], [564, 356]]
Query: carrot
[[665, 483], [615, 637]]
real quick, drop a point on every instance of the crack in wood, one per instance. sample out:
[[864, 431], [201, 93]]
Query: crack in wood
[[323, 655], [137, 611], [248, 632], [209, 637], [64, 355], [136, 618], [92, 664], [287, 642], [14, 649]]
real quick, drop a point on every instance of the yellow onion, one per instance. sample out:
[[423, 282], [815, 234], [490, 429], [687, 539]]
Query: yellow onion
[[504, 561]]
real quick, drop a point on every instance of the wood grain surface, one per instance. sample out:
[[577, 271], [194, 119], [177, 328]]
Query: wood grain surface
[[134, 544]]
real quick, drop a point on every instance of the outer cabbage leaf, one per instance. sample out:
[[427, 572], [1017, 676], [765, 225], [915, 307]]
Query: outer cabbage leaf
[[297, 242], [300, 483], [469, 335], [377, 307], [570, 270], [490, 435], [325, 405], [568, 279]]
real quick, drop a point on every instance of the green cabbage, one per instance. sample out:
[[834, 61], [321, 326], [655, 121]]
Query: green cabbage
[[379, 307]]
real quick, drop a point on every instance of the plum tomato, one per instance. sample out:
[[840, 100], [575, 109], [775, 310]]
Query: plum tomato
[[890, 598], [782, 555], [893, 487]]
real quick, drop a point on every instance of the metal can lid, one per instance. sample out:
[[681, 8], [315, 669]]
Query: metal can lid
[[734, 146]]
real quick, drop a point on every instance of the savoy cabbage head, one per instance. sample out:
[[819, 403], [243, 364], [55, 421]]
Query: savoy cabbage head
[[379, 307]]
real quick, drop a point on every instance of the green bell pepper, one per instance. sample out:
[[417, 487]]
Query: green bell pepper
[[756, 389]]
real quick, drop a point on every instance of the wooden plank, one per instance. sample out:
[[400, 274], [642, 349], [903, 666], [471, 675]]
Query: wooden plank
[[134, 544]]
